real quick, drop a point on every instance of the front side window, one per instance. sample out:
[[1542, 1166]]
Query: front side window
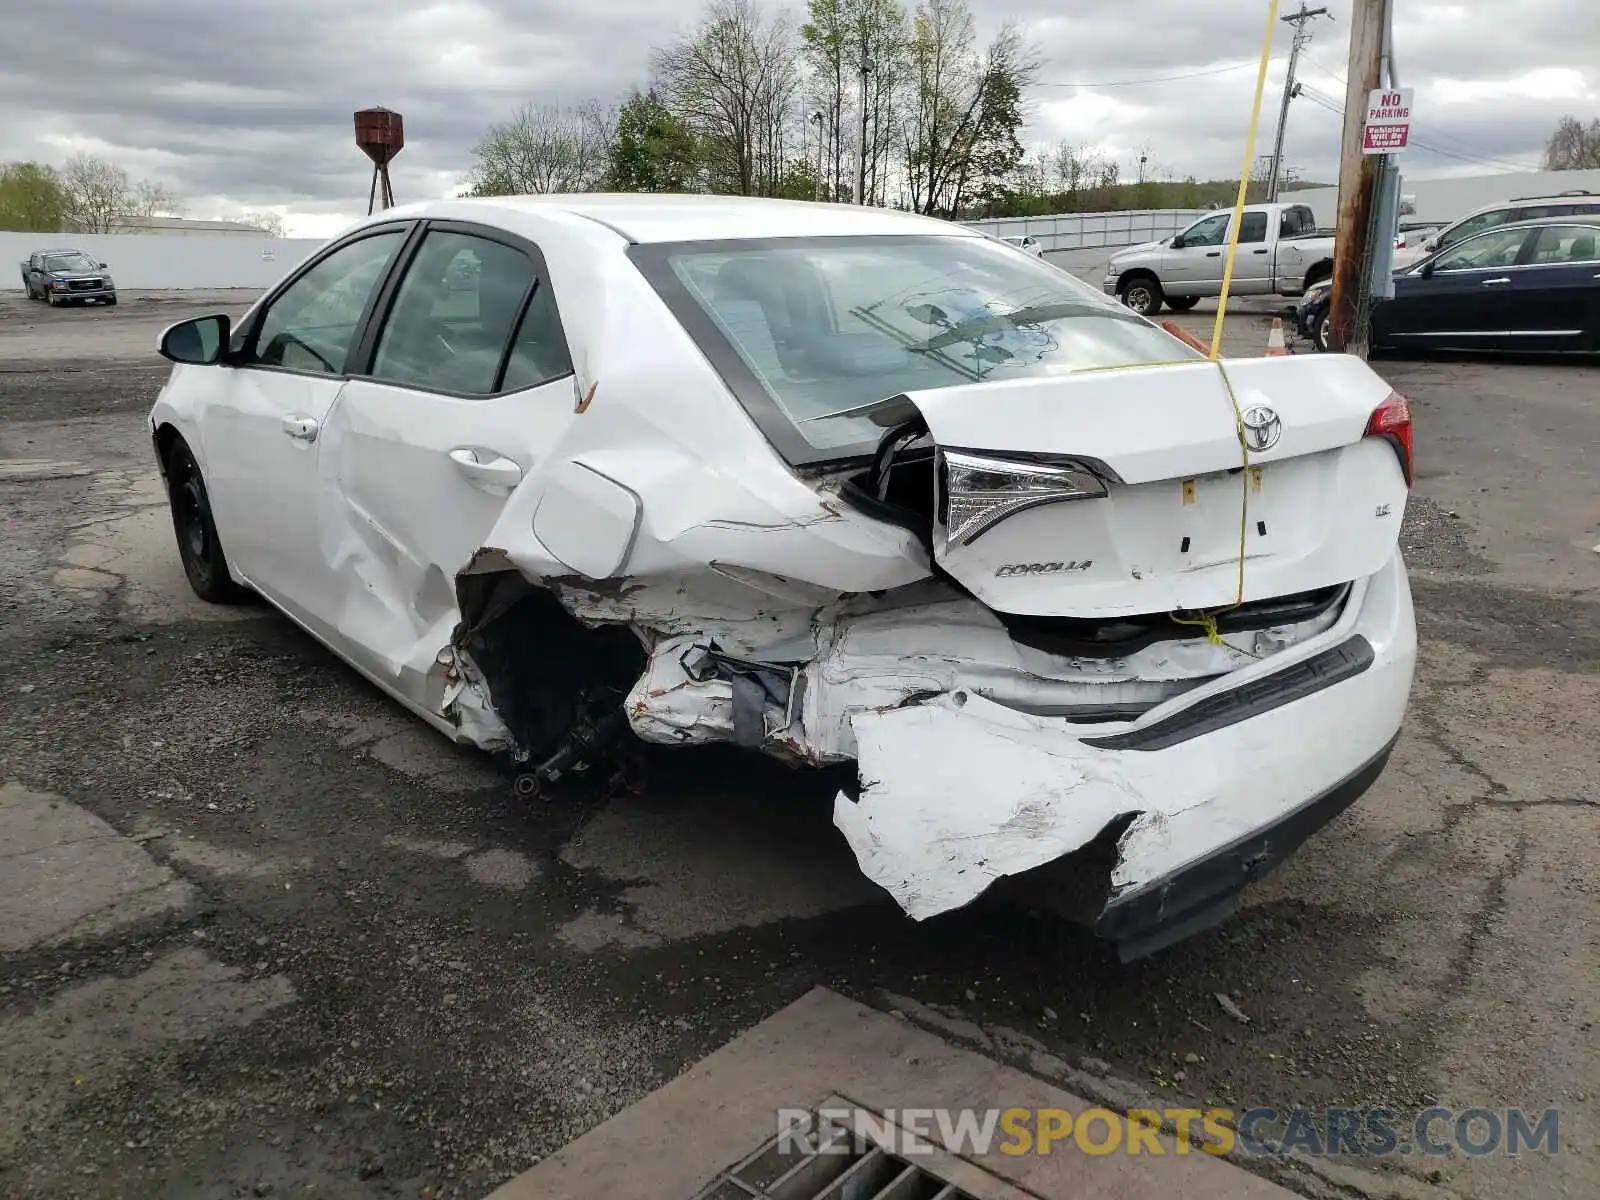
[[312, 324], [809, 332], [1213, 231], [451, 322], [1492, 250]]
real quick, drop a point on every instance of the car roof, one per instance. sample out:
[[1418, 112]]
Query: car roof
[[1541, 222], [658, 217], [1557, 198]]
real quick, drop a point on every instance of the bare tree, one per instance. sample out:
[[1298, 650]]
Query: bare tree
[[102, 199], [1573, 146], [543, 149], [878, 41], [823, 37], [269, 223], [965, 106], [734, 81]]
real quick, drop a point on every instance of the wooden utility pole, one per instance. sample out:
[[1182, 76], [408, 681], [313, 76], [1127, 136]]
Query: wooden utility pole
[[1358, 174]]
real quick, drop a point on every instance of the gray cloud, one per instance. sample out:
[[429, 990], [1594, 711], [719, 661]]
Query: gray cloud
[[250, 105]]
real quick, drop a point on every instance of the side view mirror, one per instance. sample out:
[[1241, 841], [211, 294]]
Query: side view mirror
[[1427, 271], [102, 266], [1177, 242], [199, 342], [1431, 245]]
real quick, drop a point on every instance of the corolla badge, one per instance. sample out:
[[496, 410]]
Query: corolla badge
[[1262, 427]]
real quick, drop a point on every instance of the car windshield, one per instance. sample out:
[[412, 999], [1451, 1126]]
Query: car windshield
[[69, 262], [812, 333]]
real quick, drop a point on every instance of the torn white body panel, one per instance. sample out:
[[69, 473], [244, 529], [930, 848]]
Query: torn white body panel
[[960, 792]]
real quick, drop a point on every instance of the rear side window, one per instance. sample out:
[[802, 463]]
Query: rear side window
[[453, 317], [540, 352], [1253, 228], [1561, 244]]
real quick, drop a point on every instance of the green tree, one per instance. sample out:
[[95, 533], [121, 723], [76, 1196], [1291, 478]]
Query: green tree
[[964, 106], [32, 199], [734, 82], [654, 151]]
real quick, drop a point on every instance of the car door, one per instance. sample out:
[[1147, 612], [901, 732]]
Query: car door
[[1459, 297], [1555, 294], [467, 383], [1252, 267], [1196, 265], [260, 423]]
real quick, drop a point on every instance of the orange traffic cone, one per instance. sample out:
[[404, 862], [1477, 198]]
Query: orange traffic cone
[[1275, 343]]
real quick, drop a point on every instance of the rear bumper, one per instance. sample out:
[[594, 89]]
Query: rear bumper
[[1191, 900], [1215, 787]]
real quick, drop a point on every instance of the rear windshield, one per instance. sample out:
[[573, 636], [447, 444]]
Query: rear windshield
[[810, 331]]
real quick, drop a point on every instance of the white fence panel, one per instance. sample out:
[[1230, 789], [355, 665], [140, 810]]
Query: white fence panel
[[1088, 231]]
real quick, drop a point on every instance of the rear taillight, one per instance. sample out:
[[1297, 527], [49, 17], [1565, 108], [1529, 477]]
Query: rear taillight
[[1391, 421]]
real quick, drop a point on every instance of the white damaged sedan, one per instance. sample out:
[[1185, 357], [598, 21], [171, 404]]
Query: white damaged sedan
[[833, 483]]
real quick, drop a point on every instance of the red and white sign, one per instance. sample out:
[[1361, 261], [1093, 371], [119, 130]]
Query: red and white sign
[[1388, 125]]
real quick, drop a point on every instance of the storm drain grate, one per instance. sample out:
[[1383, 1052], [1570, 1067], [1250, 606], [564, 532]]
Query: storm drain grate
[[827, 1161]]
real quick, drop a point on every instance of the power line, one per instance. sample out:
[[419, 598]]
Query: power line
[[1333, 106], [1239, 66], [1466, 153]]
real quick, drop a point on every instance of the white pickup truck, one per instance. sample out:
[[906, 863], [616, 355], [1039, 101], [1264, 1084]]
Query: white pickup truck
[[1281, 252]]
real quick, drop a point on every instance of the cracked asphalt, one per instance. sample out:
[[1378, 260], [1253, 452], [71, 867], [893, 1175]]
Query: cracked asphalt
[[262, 933]]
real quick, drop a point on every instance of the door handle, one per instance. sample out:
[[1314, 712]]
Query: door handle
[[1492, 282], [1213, 253], [1258, 252], [302, 429], [486, 467]]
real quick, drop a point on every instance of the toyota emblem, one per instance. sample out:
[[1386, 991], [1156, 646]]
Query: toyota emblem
[[1262, 428]]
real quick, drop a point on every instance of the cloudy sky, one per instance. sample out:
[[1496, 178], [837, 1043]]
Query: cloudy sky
[[248, 106]]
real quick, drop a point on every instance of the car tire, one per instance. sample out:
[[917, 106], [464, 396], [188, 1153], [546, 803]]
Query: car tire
[[1182, 303], [1142, 294], [111, 301], [1319, 333], [198, 545], [51, 299]]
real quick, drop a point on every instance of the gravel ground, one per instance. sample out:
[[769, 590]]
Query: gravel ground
[[381, 976]]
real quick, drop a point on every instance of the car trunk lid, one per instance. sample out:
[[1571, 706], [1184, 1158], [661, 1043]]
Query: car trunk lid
[[1163, 501]]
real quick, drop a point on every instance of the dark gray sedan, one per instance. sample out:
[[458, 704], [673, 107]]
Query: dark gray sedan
[[1533, 286]]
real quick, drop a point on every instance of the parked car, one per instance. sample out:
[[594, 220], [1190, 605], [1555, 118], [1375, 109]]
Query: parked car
[[1027, 243], [1281, 252], [837, 484], [1531, 286], [67, 277], [1504, 212]]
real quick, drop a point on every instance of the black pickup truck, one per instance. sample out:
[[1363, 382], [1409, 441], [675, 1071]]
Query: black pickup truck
[[67, 277]]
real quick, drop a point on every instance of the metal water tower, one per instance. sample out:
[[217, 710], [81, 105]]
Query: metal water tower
[[381, 134]]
